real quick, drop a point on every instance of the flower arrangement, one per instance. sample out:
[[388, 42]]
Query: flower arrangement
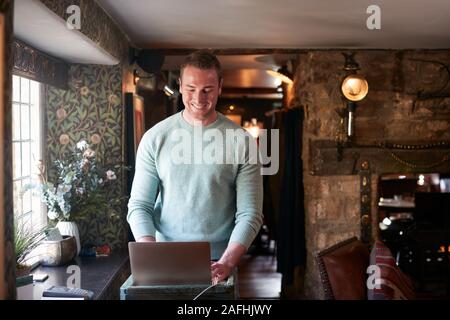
[[83, 186]]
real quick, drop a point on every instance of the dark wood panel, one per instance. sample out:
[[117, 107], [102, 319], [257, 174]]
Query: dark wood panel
[[36, 65], [6, 9], [420, 158], [245, 91]]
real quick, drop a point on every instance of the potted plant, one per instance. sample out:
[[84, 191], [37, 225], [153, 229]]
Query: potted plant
[[82, 188], [26, 240]]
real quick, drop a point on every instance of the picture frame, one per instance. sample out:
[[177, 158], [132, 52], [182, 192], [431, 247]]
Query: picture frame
[[134, 129], [138, 120]]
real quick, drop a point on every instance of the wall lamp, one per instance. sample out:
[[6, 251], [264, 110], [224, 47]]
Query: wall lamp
[[354, 88], [171, 92], [282, 73], [137, 77]]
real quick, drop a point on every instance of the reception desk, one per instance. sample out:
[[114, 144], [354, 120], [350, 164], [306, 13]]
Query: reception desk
[[227, 290]]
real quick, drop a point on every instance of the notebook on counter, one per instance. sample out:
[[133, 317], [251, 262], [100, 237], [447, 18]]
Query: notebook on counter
[[66, 293]]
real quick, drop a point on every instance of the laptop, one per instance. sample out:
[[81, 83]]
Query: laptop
[[170, 263]]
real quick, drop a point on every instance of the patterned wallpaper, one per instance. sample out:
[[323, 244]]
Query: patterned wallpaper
[[95, 24], [91, 110]]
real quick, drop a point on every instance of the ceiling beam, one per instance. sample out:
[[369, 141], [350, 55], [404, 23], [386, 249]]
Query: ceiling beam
[[245, 91], [230, 51], [265, 51]]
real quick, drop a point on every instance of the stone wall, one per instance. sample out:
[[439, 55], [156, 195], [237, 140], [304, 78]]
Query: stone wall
[[391, 111]]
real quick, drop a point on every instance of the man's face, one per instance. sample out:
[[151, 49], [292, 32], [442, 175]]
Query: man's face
[[200, 90]]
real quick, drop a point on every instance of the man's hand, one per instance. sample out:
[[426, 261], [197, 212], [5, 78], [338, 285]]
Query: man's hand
[[221, 269], [146, 239], [219, 272]]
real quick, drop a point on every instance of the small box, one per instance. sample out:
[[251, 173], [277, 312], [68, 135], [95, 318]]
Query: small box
[[223, 291]]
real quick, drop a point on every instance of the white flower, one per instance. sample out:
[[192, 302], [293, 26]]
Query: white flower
[[110, 175], [52, 214], [80, 191], [82, 145]]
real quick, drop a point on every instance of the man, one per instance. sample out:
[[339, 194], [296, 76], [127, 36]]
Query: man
[[196, 201]]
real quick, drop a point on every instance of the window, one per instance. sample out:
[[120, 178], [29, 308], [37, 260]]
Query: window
[[27, 149]]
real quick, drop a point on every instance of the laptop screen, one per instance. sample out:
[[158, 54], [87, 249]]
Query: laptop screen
[[170, 263]]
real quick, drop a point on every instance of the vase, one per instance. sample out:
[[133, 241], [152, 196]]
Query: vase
[[70, 228], [58, 252]]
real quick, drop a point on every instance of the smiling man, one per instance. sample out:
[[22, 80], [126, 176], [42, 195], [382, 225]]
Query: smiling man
[[190, 201]]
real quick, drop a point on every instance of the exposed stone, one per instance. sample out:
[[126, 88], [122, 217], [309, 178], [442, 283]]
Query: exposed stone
[[390, 112]]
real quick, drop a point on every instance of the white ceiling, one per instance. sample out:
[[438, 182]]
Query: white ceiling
[[41, 28], [241, 24], [281, 23], [277, 24]]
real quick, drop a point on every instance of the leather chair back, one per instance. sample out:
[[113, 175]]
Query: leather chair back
[[343, 270]]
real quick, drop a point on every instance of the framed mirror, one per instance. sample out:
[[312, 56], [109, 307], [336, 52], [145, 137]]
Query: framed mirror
[[414, 222]]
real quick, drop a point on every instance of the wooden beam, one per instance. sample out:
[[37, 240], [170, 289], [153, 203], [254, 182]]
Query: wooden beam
[[36, 65], [263, 51], [425, 157], [249, 91], [227, 51]]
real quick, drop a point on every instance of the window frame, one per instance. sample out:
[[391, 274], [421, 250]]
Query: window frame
[[37, 219]]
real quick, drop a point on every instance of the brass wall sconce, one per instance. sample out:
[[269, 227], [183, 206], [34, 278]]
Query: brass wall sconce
[[137, 77], [149, 61], [354, 88]]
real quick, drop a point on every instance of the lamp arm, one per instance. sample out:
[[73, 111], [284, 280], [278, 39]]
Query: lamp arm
[[351, 106]]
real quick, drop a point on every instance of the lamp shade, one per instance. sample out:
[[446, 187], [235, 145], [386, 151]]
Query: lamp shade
[[355, 87], [283, 74]]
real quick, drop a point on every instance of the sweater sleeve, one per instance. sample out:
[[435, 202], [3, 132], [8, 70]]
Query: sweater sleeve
[[143, 191], [249, 200]]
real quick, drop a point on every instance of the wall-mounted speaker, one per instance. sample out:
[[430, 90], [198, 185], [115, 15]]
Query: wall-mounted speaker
[[150, 61]]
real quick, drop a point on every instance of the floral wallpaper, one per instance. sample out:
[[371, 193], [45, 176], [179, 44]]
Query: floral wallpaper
[[95, 24], [90, 110]]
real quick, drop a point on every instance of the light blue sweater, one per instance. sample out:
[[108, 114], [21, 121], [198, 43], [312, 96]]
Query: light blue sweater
[[188, 198]]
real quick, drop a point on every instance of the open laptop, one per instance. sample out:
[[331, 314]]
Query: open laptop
[[170, 263]]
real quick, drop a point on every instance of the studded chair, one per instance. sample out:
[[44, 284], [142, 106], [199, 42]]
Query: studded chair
[[343, 270]]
